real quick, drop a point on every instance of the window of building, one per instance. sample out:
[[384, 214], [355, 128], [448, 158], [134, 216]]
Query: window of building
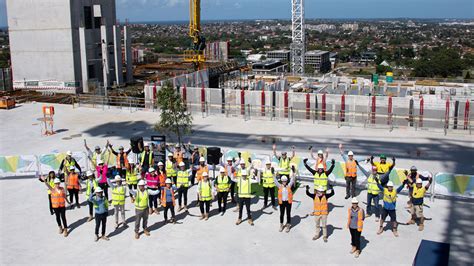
[[97, 22], [88, 17], [91, 71]]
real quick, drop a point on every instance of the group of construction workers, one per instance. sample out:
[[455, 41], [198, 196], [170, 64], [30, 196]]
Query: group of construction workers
[[153, 186]]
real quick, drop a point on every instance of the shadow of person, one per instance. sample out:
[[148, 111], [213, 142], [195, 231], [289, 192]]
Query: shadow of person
[[363, 242], [331, 229], [118, 231], [76, 224], [295, 220], [332, 206]]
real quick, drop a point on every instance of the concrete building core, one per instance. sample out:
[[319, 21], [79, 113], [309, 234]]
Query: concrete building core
[[318, 60], [282, 55]]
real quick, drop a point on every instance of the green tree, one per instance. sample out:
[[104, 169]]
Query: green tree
[[174, 117]]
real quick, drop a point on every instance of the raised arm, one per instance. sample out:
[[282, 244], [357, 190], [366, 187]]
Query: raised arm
[[77, 165], [311, 153], [309, 194], [312, 171], [326, 156], [362, 169], [344, 157], [112, 149], [400, 188], [329, 171], [276, 182], [429, 183], [293, 152], [393, 163]]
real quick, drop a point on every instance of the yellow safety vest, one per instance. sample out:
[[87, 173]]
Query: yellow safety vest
[[372, 187], [89, 188], [388, 196], [245, 188], [267, 177], [94, 158], [51, 184], [141, 200], [418, 192], [68, 164], [284, 166], [170, 169], [132, 177], [118, 195], [321, 180], [223, 183], [150, 157], [382, 168], [183, 179], [205, 191]]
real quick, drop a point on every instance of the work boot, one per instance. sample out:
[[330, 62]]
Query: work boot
[[90, 218], [137, 235], [117, 226], [146, 232], [288, 226], [325, 239], [180, 208], [239, 221], [78, 205], [60, 230], [353, 250], [380, 231], [202, 217], [356, 254], [96, 238], [173, 220], [421, 227], [411, 221], [282, 226], [251, 222], [316, 237], [151, 211], [346, 197], [185, 208], [66, 233], [206, 217], [105, 238], [395, 233]]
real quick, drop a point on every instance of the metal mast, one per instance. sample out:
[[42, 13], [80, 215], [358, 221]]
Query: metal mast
[[298, 37]]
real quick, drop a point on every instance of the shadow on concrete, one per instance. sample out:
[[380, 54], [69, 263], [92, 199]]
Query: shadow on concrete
[[363, 242], [296, 220], [61, 130], [331, 229], [77, 223], [459, 232], [332, 206], [118, 230]]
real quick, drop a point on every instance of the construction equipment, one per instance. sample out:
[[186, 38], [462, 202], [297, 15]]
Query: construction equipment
[[195, 55]]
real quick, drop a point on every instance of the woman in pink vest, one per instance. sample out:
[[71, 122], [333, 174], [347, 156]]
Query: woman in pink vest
[[102, 170], [152, 182]]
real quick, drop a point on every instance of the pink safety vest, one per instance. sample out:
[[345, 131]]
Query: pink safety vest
[[151, 181], [102, 173]]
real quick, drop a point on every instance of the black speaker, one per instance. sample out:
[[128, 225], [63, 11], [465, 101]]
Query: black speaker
[[213, 155], [137, 144]]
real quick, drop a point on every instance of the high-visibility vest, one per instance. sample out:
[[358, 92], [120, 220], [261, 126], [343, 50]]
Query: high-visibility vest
[[106, 203], [200, 171], [152, 181], [245, 188], [382, 168], [351, 168], [223, 183], [125, 160], [284, 165], [163, 196], [320, 180], [68, 164], [205, 191], [89, 187], [178, 156], [150, 157], [320, 205], [51, 184], [118, 195], [280, 196], [372, 185], [141, 200], [94, 158], [321, 161], [182, 179], [360, 220], [58, 197], [162, 179], [388, 196], [267, 177], [131, 177], [418, 192], [73, 181], [170, 168]]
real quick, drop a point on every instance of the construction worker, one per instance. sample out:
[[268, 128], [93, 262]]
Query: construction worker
[[320, 176], [97, 153], [73, 186], [91, 185], [412, 177], [195, 156], [182, 184], [171, 168], [285, 200], [168, 200], [389, 205], [382, 166], [132, 175], [58, 203], [244, 188], [418, 193], [267, 174], [238, 174], [283, 161], [321, 158], [222, 185], [203, 168], [102, 172], [140, 198], [205, 196], [230, 167], [50, 180], [101, 206], [177, 153], [152, 183], [121, 160], [320, 209], [146, 159], [355, 223], [118, 200], [66, 164], [350, 172], [373, 191]]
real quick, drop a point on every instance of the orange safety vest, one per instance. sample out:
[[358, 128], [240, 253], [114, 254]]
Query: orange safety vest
[[73, 181], [360, 221], [58, 197], [125, 160], [320, 205], [163, 196], [162, 179], [351, 168], [200, 171], [290, 195], [321, 161], [178, 156]]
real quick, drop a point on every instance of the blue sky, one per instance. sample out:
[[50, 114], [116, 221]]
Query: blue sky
[[162, 10]]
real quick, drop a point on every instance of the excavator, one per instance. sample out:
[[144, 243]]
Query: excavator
[[195, 54]]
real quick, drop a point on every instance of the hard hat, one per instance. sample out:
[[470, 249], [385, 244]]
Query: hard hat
[[99, 161], [151, 170], [146, 145], [69, 153], [72, 167], [89, 173], [177, 146], [98, 190], [283, 152], [413, 168], [354, 200], [205, 174], [320, 152], [244, 172], [389, 184], [242, 161], [382, 156], [97, 148], [118, 178], [419, 181], [222, 170], [320, 188], [229, 158], [374, 168], [170, 155], [202, 159], [121, 148], [160, 164], [284, 178], [141, 183], [350, 153], [168, 181], [320, 166], [181, 164], [268, 162], [57, 181]]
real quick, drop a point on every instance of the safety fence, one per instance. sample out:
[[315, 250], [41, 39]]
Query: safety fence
[[445, 184]]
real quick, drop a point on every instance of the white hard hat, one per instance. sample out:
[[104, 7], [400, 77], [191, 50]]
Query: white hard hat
[[89, 173], [72, 167], [350, 153], [160, 164], [222, 170], [177, 146], [202, 159], [151, 170], [320, 152], [320, 166], [170, 154], [99, 161], [354, 200], [389, 184], [146, 145], [98, 190], [97, 148], [168, 181], [320, 188], [205, 174], [141, 183], [181, 164], [118, 178], [242, 161], [268, 162], [244, 172], [419, 181], [284, 178], [229, 158], [57, 181], [69, 153]]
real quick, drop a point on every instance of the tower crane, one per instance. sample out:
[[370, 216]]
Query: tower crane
[[195, 54]]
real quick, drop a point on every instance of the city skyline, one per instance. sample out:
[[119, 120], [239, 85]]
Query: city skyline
[[177, 10]]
